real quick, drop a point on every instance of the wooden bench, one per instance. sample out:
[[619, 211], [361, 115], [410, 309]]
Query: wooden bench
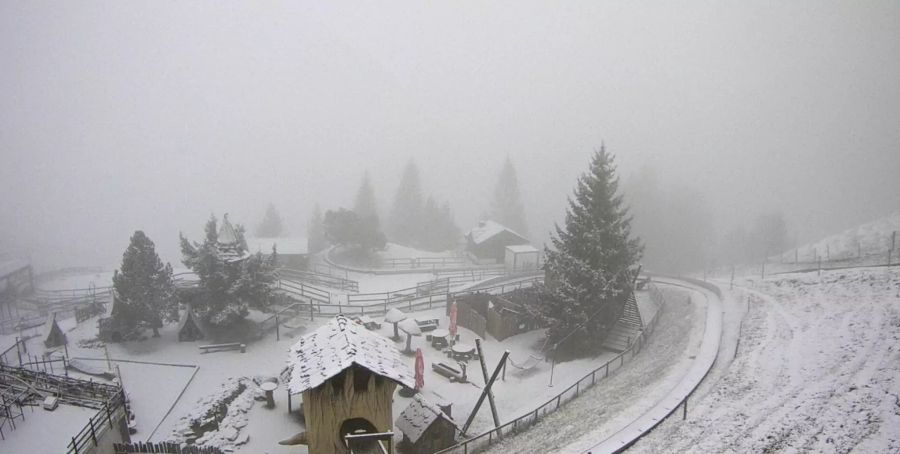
[[454, 374], [428, 325], [223, 347]]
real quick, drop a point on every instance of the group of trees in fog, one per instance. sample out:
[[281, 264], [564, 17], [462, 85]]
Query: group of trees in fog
[[228, 284], [417, 221]]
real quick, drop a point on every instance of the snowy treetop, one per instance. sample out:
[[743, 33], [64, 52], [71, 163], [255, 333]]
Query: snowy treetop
[[487, 230], [336, 346], [418, 417], [227, 235]]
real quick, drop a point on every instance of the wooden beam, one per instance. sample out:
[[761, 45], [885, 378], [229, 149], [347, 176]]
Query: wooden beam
[[487, 388], [484, 372]]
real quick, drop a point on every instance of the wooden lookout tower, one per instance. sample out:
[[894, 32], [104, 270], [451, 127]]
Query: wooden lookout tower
[[347, 375]]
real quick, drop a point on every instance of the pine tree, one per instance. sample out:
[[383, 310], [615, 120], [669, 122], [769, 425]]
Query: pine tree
[[146, 293], [588, 266], [506, 207], [405, 223], [228, 287], [315, 230], [440, 232], [271, 225], [364, 205]]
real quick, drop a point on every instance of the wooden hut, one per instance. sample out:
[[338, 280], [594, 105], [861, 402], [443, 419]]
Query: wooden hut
[[488, 241], [347, 375], [426, 427], [189, 327], [53, 335]]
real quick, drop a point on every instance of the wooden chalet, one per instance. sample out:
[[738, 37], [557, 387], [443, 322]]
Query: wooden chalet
[[488, 241], [347, 376]]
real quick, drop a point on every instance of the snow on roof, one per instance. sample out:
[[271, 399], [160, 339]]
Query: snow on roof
[[284, 245], [227, 235], [487, 230], [522, 248], [418, 417], [336, 346]]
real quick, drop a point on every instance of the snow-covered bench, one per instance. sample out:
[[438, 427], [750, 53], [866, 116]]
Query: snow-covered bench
[[428, 325], [221, 347]]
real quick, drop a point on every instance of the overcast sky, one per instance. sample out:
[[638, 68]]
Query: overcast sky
[[116, 116]]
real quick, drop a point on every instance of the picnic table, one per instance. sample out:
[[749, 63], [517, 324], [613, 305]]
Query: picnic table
[[439, 338], [462, 351]]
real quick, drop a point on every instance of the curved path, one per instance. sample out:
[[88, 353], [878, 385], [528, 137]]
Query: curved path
[[699, 369], [613, 414]]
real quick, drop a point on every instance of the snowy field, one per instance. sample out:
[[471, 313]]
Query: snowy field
[[817, 370]]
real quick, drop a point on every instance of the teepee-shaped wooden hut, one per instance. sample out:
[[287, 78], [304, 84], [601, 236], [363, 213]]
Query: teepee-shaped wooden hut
[[54, 336], [189, 327]]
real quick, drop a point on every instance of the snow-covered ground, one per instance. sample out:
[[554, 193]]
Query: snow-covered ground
[[166, 379], [817, 370]]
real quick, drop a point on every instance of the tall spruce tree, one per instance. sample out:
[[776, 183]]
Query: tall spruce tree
[[144, 288], [405, 224], [271, 225], [506, 206], [364, 204], [588, 266], [315, 231]]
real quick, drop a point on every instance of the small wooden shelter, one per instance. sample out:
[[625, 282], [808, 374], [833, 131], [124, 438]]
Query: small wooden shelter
[[53, 336], [426, 427], [347, 375], [189, 327]]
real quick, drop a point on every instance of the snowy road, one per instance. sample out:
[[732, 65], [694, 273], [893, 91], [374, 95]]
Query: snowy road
[[817, 370]]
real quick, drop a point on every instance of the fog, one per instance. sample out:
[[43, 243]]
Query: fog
[[117, 116]]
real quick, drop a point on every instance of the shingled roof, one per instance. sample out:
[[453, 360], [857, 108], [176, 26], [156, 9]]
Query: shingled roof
[[336, 346], [418, 417]]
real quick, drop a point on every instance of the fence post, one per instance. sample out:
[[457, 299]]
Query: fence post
[[74, 445], [277, 331], [93, 434]]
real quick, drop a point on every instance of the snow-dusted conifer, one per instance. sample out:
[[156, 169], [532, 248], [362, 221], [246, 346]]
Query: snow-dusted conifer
[[229, 286], [271, 225], [315, 231], [405, 224], [144, 286], [506, 206], [588, 266]]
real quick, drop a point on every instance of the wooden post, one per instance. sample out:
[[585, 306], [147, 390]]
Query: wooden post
[[277, 331], [484, 392], [732, 277], [484, 372], [684, 415]]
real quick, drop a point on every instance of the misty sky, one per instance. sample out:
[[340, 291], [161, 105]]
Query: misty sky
[[116, 116]]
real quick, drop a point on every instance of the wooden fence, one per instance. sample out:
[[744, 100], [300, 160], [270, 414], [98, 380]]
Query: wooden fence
[[163, 447], [532, 417]]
